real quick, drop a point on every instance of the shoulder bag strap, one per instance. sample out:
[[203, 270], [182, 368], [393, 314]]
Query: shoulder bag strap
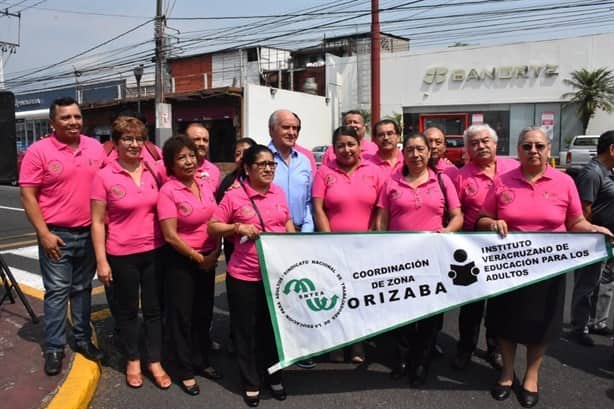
[[446, 214], [251, 199]]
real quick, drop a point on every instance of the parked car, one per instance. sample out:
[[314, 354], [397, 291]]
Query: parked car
[[580, 151], [318, 153], [455, 150]]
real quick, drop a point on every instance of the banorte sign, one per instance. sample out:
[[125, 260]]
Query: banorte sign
[[438, 75]]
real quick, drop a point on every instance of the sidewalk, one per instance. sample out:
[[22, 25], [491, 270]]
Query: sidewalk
[[23, 381]]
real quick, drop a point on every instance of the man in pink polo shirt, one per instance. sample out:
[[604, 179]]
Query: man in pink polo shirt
[[55, 178], [472, 183], [437, 140], [388, 158], [356, 121], [207, 172]]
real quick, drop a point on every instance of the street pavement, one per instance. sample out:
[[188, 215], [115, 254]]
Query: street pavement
[[572, 376]]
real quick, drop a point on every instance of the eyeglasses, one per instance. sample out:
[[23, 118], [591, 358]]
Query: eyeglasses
[[263, 165], [528, 146], [131, 139]]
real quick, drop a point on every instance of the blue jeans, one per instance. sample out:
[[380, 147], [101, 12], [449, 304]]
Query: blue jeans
[[69, 278]]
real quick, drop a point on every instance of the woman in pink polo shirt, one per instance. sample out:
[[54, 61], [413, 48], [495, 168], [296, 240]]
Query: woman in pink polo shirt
[[184, 209], [252, 205], [126, 238], [532, 197], [344, 197], [418, 199]]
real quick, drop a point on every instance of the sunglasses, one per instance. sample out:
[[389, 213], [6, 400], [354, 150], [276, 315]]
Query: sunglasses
[[528, 146], [264, 164]]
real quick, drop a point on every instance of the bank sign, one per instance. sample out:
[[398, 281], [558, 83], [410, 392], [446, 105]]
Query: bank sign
[[439, 75], [325, 291]]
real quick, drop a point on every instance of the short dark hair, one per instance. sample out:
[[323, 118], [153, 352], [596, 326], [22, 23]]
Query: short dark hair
[[245, 140], [172, 147], [125, 124], [345, 130], [605, 140], [60, 102], [386, 121], [353, 112], [251, 155]]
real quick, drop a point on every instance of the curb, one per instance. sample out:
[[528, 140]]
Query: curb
[[79, 385], [82, 378]]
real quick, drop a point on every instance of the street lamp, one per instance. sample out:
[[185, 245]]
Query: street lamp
[[138, 74]]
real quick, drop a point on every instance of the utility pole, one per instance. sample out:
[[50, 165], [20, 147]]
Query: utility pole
[[164, 116], [375, 62], [5, 47]]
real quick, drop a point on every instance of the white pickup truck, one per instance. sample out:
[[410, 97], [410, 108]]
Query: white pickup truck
[[580, 151]]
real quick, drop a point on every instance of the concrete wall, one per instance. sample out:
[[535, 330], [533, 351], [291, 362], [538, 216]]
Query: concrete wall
[[313, 110]]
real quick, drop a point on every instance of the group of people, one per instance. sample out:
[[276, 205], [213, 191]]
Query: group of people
[[153, 223]]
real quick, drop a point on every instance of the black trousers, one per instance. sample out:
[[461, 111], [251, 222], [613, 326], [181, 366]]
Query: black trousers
[[189, 307], [469, 321], [134, 274], [421, 337], [252, 332]]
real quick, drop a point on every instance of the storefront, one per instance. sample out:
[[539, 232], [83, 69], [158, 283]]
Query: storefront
[[507, 86]]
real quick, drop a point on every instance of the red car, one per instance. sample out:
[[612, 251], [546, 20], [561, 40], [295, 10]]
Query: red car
[[455, 150]]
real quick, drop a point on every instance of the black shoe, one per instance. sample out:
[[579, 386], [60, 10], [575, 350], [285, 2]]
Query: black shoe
[[418, 376], [252, 401], [605, 331], [88, 350], [191, 390], [438, 351], [462, 359], [53, 362], [306, 364], [495, 359], [527, 399], [400, 371], [210, 373], [582, 338], [500, 392], [279, 394]]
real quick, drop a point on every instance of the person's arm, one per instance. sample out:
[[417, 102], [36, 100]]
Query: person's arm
[[456, 221], [488, 222], [103, 269], [580, 224], [320, 217], [382, 219], [169, 231], [50, 242], [587, 209], [218, 228], [290, 226]]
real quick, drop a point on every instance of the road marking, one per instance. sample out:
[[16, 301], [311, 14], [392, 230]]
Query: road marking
[[28, 252], [18, 243], [17, 209]]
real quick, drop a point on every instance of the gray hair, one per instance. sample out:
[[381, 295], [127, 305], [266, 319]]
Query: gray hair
[[475, 129], [533, 128], [273, 117]]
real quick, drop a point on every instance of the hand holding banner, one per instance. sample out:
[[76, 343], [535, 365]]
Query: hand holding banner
[[326, 291]]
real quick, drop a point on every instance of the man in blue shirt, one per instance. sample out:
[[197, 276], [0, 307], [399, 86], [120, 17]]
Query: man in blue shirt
[[293, 173]]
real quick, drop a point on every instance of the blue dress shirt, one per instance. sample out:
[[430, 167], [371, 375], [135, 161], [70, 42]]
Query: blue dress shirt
[[295, 179]]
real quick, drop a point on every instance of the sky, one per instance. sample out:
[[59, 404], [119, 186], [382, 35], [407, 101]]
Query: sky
[[50, 32]]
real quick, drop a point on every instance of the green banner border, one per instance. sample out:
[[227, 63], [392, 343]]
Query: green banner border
[[283, 363]]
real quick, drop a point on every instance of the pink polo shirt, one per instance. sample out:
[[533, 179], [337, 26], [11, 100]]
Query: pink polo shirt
[[349, 200], [447, 169], [545, 206], [385, 167], [209, 174], [132, 225], [367, 148], [309, 154], [176, 201], [472, 185], [236, 207], [419, 209], [63, 178]]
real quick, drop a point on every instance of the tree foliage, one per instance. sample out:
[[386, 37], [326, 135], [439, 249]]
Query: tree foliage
[[594, 90]]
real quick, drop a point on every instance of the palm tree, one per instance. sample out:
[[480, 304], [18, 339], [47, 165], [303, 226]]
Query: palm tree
[[594, 90]]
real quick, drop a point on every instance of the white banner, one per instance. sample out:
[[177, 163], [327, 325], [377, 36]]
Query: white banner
[[329, 290]]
